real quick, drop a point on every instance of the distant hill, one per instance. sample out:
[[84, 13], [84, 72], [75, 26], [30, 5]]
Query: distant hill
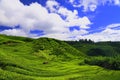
[[91, 48]]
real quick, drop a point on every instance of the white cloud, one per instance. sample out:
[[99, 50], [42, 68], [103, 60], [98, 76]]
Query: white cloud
[[15, 32], [37, 17], [67, 13], [67, 35], [52, 5], [30, 17], [117, 2], [72, 18], [91, 5], [6, 12], [109, 34], [63, 36], [82, 22], [113, 25]]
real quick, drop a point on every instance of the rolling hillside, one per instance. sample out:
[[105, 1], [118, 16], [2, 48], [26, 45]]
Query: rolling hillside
[[50, 59]]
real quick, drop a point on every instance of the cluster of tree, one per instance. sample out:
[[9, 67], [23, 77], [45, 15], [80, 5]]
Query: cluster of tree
[[80, 41], [86, 41], [96, 52], [106, 62]]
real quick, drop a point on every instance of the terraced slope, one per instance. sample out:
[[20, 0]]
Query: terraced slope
[[46, 59]]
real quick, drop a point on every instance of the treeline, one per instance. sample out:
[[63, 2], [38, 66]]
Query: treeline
[[80, 41]]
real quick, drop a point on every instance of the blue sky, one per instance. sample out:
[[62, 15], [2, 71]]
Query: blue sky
[[98, 20]]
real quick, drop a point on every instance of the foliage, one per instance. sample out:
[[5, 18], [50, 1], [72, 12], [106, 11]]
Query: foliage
[[110, 49], [50, 59], [56, 47], [106, 62], [96, 52]]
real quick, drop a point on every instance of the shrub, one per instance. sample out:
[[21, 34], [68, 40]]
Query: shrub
[[96, 52], [106, 62]]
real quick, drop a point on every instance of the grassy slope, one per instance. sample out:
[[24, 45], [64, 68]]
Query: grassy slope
[[19, 61]]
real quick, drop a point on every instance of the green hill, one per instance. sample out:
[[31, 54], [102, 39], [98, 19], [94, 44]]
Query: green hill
[[104, 54], [50, 59], [110, 49]]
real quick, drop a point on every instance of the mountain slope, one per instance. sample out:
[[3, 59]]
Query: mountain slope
[[46, 59], [57, 48]]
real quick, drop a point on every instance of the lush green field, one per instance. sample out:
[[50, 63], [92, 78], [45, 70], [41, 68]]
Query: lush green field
[[48, 59]]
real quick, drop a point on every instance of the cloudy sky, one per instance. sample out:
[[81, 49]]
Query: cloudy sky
[[98, 20]]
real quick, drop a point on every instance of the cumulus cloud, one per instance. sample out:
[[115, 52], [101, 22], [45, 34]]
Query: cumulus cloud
[[91, 5], [37, 17], [72, 18], [30, 17], [81, 22]]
